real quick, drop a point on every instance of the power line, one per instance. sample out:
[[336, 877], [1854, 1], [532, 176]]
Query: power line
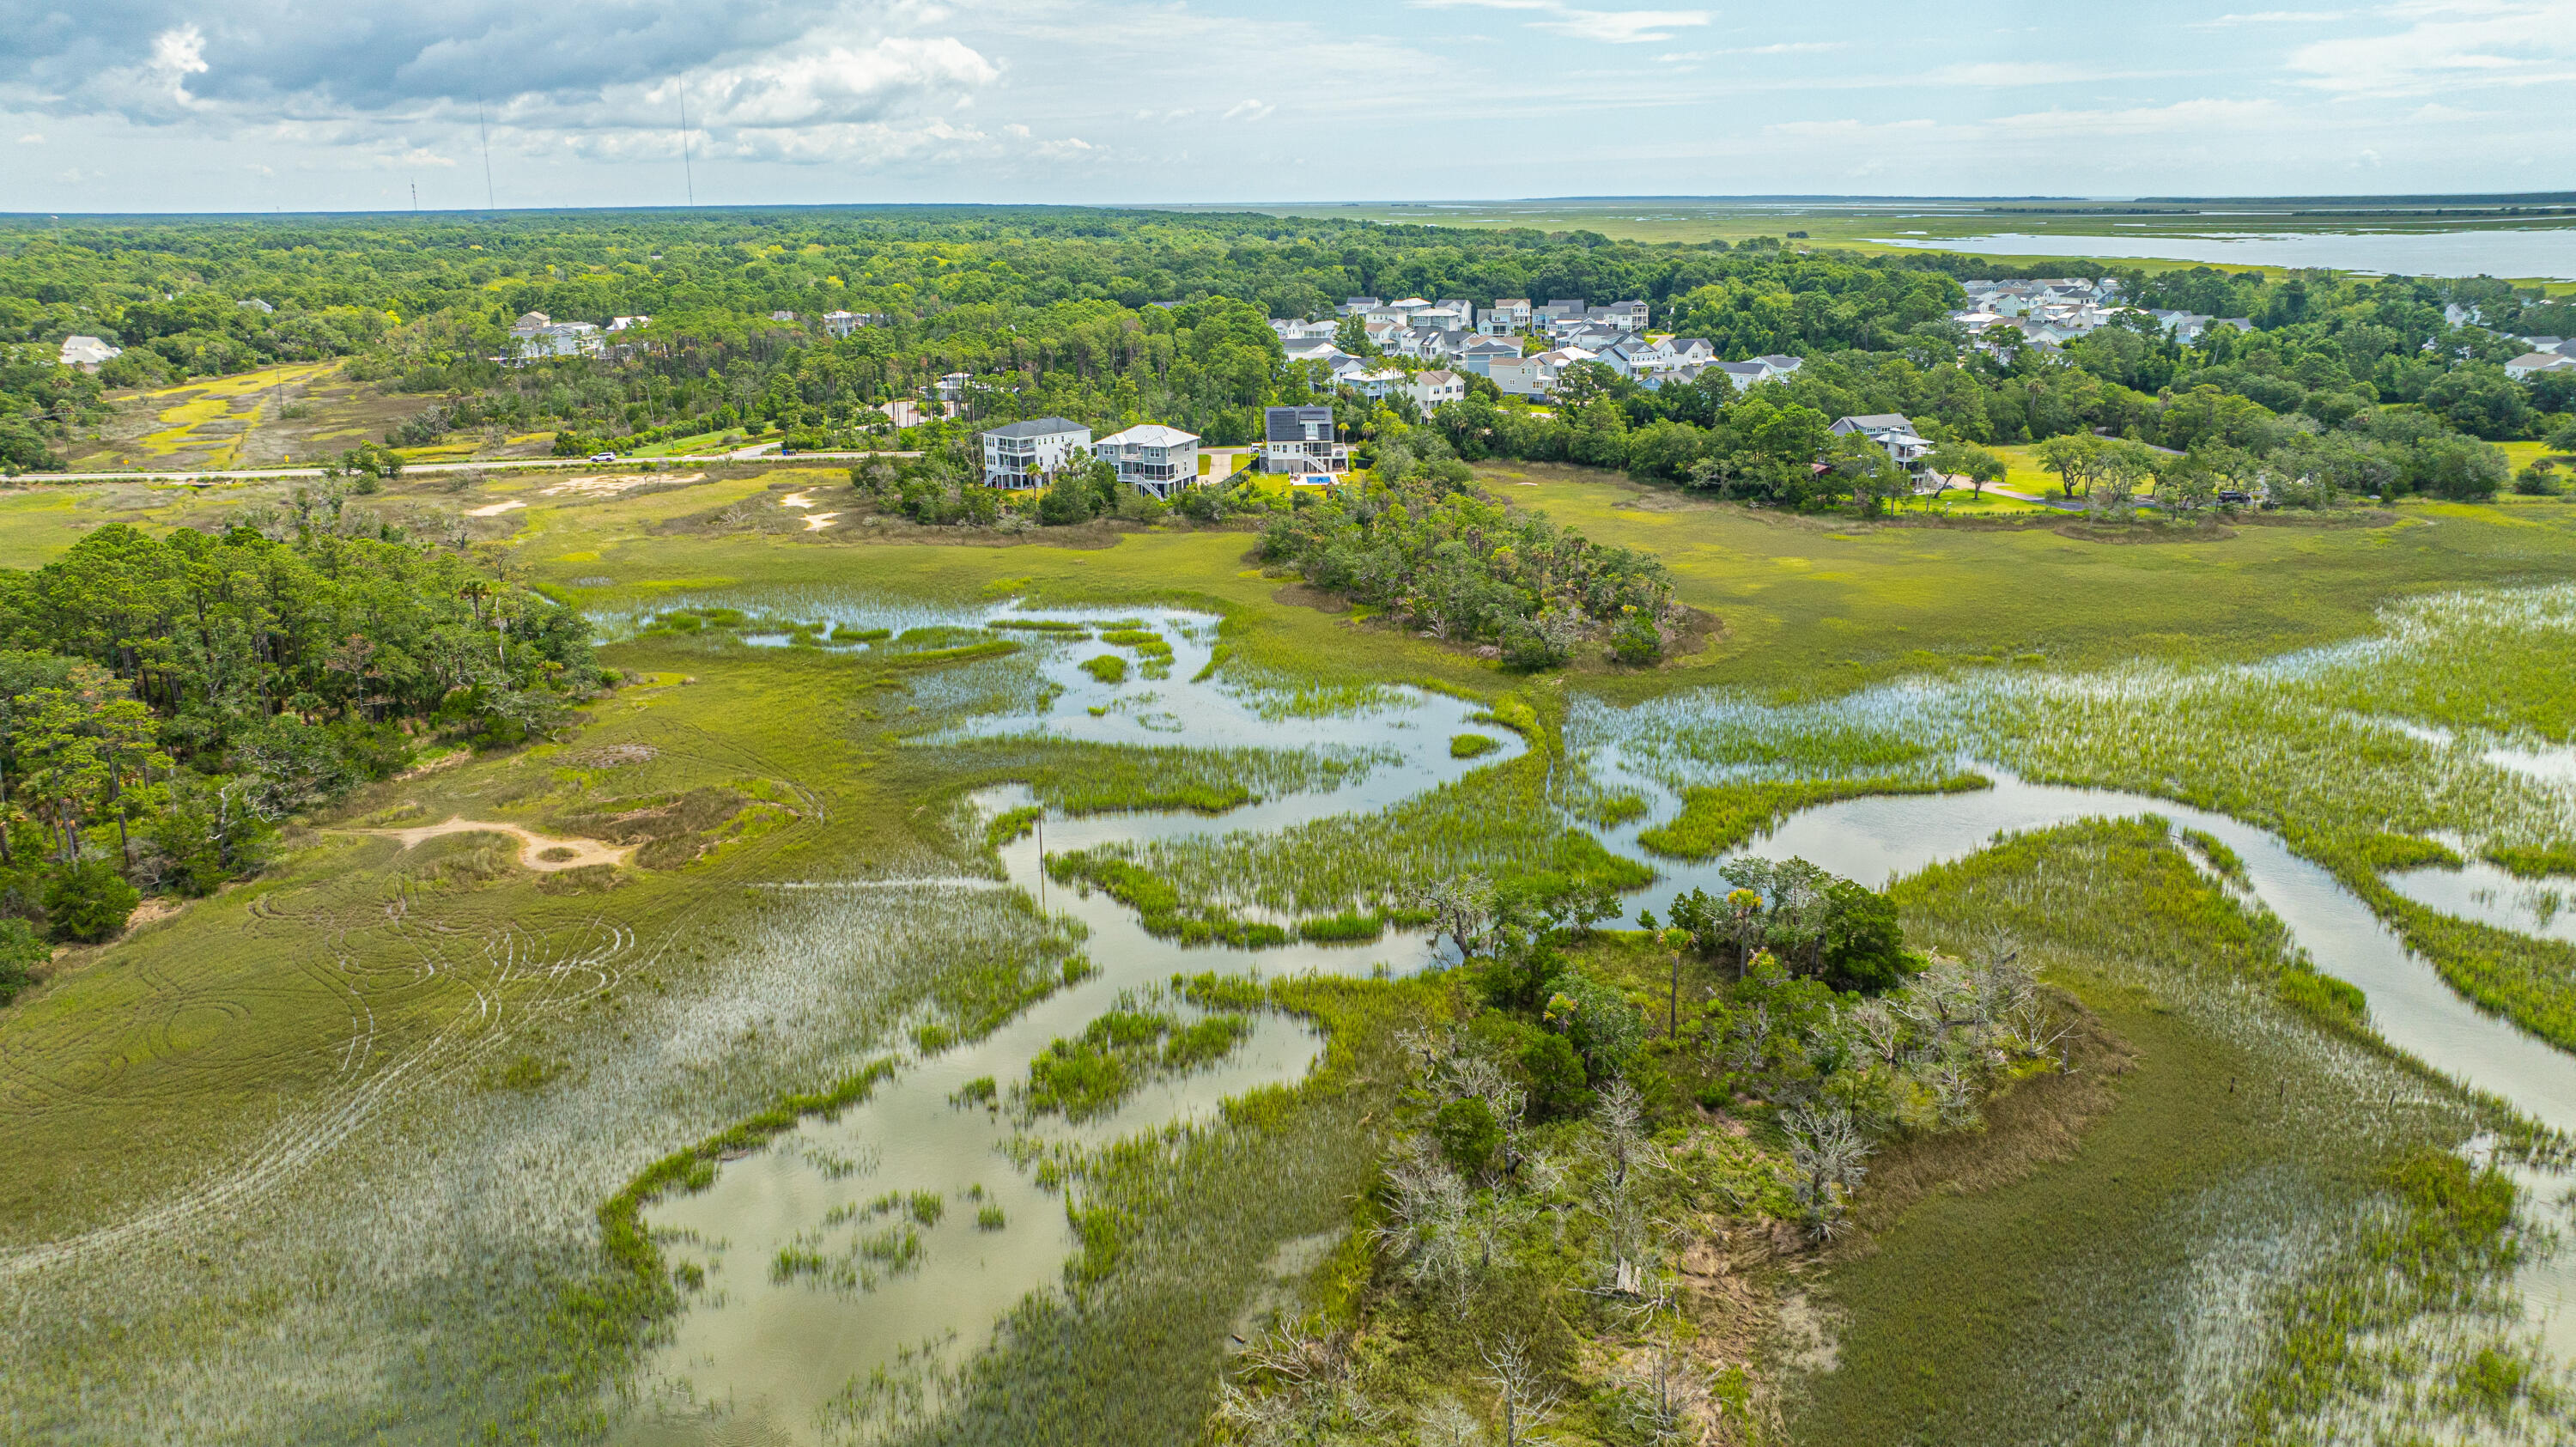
[[685, 176], [488, 155]]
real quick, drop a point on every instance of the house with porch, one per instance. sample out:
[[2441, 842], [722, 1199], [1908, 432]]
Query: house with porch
[[1299, 444], [1155, 460], [1030, 454]]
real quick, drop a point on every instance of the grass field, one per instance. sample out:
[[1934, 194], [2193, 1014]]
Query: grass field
[[1872, 224], [1824, 605], [374, 1098]]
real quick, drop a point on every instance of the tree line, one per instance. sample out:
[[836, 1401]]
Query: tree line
[[165, 701]]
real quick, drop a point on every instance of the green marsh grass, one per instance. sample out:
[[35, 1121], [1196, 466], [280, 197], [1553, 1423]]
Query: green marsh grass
[[2224, 1257]]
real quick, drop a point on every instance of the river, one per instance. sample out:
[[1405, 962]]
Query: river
[[763, 1357]]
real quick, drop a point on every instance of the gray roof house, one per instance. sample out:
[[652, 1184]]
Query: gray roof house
[[1030, 453]]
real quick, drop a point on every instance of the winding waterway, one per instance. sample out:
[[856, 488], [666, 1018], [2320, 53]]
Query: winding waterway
[[757, 1359]]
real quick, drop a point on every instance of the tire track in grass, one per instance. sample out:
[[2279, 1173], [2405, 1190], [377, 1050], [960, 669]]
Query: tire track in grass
[[560, 980]]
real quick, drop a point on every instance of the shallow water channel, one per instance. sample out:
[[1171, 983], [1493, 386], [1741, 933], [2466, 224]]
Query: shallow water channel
[[760, 1360]]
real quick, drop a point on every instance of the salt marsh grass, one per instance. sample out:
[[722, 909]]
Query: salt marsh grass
[[2229, 1257], [436, 1246]]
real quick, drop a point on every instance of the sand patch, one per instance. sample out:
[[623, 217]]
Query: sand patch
[[539, 852], [819, 521], [493, 510], [797, 499], [612, 484]]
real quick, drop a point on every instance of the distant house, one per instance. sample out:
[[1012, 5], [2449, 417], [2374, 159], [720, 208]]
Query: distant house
[[535, 336], [1152, 458], [1889, 430], [1292, 330], [619, 324], [1691, 351], [254, 304], [1316, 351], [1029, 454], [782, 316], [952, 387], [841, 324], [1757, 369], [1627, 316], [1558, 310], [1508, 316], [1441, 318], [88, 353], [1630, 356], [1373, 384], [1298, 443], [1430, 389], [2529, 364], [1359, 305], [1480, 354], [903, 412]]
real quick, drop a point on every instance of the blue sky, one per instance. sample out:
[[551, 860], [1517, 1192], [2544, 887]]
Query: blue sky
[[294, 104]]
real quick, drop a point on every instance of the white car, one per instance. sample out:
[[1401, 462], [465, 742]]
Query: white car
[[603, 457]]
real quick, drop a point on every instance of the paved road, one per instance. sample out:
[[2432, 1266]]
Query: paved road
[[256, 474]]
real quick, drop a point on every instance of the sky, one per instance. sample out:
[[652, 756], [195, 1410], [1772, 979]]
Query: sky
[[259, 105]]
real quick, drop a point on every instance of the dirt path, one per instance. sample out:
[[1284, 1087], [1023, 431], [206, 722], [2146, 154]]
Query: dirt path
[[534, 848]]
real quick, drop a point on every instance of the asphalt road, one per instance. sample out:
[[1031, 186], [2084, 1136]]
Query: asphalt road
[[255, 474]]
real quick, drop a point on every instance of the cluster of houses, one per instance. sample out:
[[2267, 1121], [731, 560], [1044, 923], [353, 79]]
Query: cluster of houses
[[2050, 313], [1467, 340], [1298, 443]]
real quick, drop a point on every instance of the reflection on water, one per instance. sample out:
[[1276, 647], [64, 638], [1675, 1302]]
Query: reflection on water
[[784, 1360], [752, 1353], [2492, 896]]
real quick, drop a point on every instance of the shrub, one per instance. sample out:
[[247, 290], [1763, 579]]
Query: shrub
[[1637, 643], [1555, 1075], [20, 953], [1469, 746], [1108, 668], [1528, 648], [1468, 1134], [89, 901]]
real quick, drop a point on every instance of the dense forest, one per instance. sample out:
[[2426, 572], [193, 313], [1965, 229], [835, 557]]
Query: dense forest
[[1114, 317], [166, 701]]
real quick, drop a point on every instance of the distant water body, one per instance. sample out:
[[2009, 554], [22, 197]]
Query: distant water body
[[2528, 252]]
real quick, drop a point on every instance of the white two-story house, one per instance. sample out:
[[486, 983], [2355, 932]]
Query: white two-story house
[[1156, 460], [1031, 453], [1430, 389]]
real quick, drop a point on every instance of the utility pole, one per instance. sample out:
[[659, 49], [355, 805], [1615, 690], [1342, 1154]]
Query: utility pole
[[415, 196]]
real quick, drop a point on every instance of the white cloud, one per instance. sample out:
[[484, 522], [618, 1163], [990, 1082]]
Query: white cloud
[[1998, 74], [2272, 17], [1622, 27], [840, 83], [1614, 27], [32, 138], [1248, 110], [2448, 46], [178, 54]]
